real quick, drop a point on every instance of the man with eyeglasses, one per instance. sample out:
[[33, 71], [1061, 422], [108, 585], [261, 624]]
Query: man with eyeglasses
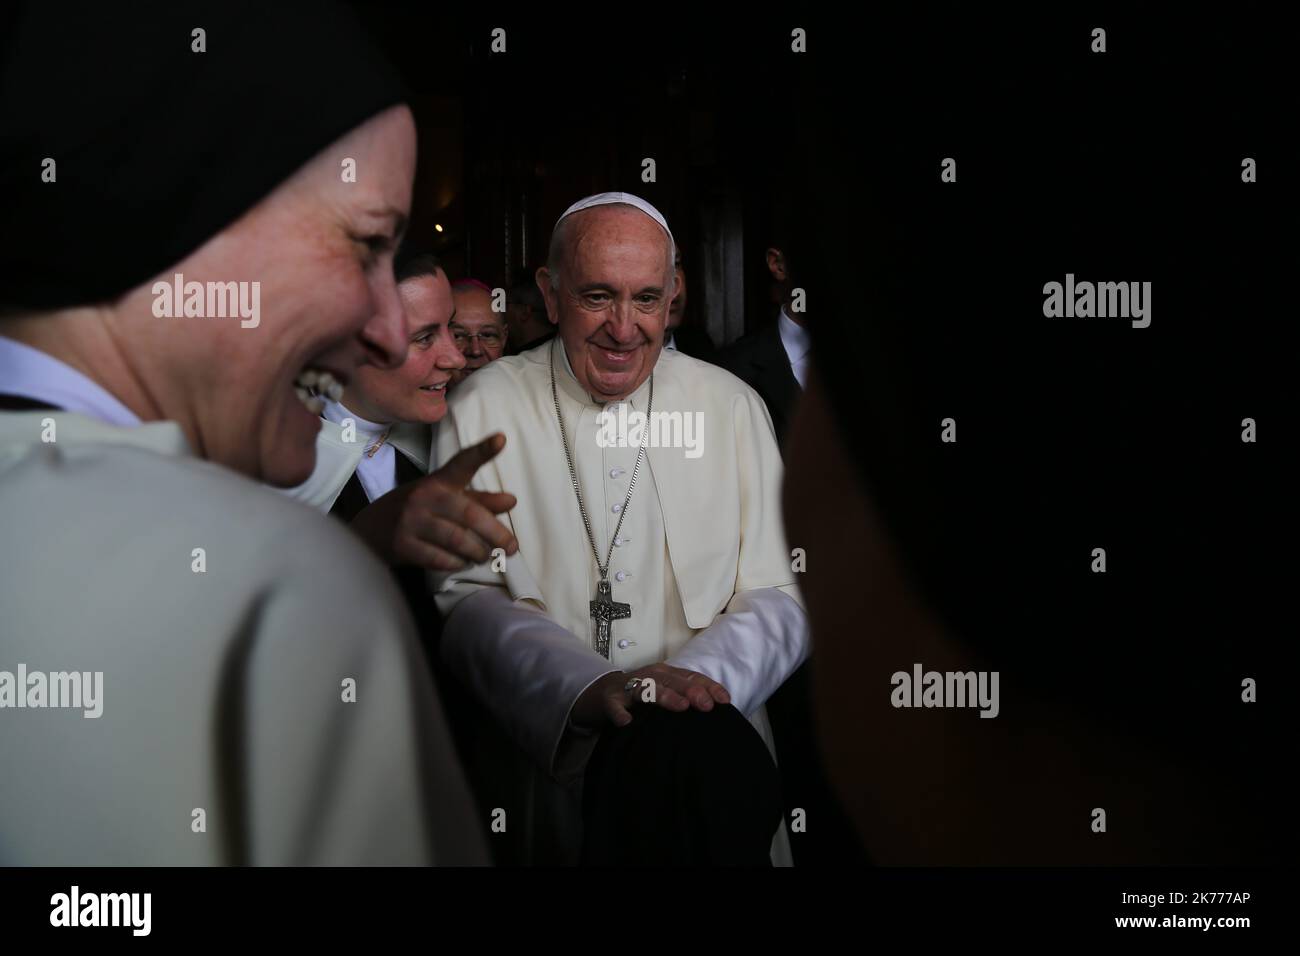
[[479, 332]]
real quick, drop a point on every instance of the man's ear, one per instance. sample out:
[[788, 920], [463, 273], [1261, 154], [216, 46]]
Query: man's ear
[[543, 279], [776, 264]]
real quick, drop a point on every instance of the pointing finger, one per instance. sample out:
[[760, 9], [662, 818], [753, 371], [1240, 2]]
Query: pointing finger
[[497, 502], [462, 468]]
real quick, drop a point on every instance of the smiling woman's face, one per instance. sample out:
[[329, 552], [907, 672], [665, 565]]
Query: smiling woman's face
[[322, 251], [416, 392]]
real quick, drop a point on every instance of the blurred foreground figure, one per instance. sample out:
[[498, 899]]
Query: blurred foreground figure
[[232, 678], [989, 690]]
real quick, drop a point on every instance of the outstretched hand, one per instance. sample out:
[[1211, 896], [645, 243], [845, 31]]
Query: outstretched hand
[[438, 522]]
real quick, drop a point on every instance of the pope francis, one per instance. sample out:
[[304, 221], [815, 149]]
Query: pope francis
[[652, 580]]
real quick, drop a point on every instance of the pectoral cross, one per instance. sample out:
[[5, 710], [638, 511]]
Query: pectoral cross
[[604, 611]]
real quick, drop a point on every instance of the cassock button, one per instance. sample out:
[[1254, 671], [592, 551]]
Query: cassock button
[[618, 542], [620, 576], [616, 509], [622, 645], [615, 472]]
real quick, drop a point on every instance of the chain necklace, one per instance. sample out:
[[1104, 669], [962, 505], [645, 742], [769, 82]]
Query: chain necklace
[[379, 443], [604, 609]]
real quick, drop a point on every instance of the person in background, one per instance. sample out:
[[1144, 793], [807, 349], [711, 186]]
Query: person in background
[[374, 449], [682, 334], [774, 358], [479, 331], [526, 317]]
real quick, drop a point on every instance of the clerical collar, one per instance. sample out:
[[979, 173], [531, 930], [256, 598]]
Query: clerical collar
[[337, 413], [412, 439], [570, 385], [34, 374]]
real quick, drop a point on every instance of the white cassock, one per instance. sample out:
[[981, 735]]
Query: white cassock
[[222, 689], [344, 447], [701, 556]]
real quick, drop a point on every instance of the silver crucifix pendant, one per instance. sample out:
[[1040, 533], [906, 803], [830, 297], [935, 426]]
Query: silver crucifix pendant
[[604, 612]]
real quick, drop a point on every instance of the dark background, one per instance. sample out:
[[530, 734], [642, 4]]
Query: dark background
[[1078, 433], [509, 141], [926, 298]]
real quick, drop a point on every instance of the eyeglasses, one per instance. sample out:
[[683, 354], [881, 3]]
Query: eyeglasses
[[489, 340]]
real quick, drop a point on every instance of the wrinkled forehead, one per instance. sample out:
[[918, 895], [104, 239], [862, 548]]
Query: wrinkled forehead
[[617, 244]]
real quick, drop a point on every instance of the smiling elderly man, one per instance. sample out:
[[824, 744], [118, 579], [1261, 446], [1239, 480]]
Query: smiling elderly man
[[651, 606]]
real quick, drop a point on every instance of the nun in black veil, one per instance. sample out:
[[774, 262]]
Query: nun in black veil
[[202, 204]]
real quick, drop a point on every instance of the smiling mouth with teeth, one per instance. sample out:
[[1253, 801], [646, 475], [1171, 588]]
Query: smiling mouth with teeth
[[313, 386]]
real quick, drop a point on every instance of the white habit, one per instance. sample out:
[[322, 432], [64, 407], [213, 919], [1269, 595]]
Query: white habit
[[344, 447], [701, 556], [224, 735]]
